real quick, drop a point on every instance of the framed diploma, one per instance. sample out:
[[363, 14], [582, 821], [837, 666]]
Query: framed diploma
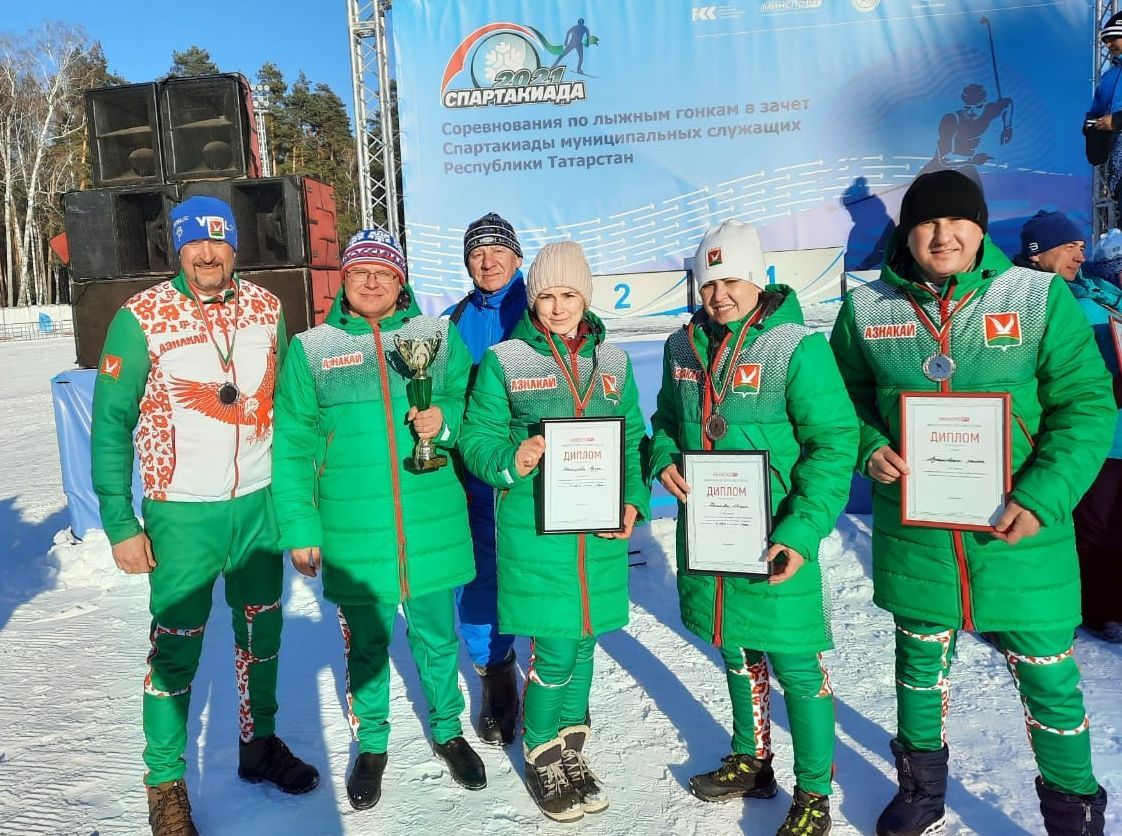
[[728, 512], [582, 476], [957, 446]]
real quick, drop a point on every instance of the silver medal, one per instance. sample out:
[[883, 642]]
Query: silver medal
[[938, 367]]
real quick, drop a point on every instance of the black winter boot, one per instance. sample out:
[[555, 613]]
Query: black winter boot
[[809, 816], [917, 809], [462, 761], [738, 776], [364, 785], [1071, 815], [549, 785], [593, 799], [268, 759], [498, 710]]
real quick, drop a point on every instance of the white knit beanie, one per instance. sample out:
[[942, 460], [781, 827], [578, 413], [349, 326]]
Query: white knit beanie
[[730, 251], [560, 265]]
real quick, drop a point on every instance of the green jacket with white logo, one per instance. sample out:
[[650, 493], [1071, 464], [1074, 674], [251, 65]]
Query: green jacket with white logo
[[1020, 332], [785, 397], [340, 479], [557, 585]]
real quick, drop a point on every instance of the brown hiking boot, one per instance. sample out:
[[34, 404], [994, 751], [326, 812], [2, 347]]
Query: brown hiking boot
[[169, 810]]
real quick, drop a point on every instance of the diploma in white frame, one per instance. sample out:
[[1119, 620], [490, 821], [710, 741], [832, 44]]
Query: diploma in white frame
[[957, 445], [728, 512], [582, 475]]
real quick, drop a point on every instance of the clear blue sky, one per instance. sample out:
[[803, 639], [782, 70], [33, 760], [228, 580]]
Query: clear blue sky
[[138, 36]]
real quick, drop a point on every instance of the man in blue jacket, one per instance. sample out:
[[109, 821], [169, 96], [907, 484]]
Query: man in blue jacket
[[484, 317]]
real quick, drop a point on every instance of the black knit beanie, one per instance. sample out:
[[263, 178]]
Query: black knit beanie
[[1113, 28], [492, 228], [941, 194]]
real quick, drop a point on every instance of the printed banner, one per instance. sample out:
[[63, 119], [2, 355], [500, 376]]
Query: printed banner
[[633, 126]]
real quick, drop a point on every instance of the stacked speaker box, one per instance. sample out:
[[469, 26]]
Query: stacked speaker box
[[282, 221], [305, 295], [206, 127], [152, 146], [119, 232], [124, 135]]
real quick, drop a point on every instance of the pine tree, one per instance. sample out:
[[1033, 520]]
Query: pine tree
[[192, 61]]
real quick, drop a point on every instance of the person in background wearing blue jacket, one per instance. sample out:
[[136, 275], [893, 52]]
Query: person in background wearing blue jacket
[[1051, 242], [1106, 106], [484, 317]]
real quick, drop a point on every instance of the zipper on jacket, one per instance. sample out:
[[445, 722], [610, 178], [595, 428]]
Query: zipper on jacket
[[237, 452], [395, 477], [582, 575], [326, 448], [719, 593], [1024, 429], [956, 535], [964, 581]]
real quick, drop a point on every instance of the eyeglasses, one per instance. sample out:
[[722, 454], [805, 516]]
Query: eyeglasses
[[380, 276]]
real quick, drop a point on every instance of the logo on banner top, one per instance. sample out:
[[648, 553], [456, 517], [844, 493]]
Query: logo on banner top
[[1003, 330], [865, 5], [508, 63], [789, 5]]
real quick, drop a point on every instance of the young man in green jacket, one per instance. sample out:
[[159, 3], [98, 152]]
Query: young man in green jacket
[[189, 364], [353, 502], [746, 374], [951, 314]]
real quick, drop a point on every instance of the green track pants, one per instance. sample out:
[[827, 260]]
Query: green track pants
[[193, 543], [1045, 674], [810, 710], [557, 687], [431, 632]]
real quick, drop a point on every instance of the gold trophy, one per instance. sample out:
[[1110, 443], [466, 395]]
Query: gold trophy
[[418, 356]]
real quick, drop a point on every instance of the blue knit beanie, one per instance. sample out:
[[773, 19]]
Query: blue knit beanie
[[202, 218], [1046, 230]]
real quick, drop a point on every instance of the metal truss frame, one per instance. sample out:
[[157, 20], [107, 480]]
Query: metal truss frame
[[374, 115]]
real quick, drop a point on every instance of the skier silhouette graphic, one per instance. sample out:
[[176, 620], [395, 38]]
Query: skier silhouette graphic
[[577, 38], [961, 132]]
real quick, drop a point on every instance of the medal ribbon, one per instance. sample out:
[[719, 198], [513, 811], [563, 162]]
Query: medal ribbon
[[941, 334], [580, 403], [713, 398], [226, 361]]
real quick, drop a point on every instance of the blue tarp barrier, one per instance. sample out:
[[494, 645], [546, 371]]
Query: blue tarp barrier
[[72, 393]]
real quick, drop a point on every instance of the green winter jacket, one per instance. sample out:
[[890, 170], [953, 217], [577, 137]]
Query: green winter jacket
[[556, 585], [340, 452], [786, 397], [1021, 332]]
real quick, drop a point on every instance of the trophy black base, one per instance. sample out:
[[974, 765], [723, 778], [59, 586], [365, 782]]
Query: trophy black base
[[425, 465]]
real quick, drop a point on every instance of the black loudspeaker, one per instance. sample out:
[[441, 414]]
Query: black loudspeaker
[[119, 232], [95, 303], [282, 221], [305, 296], [206, 128], [124, 135]]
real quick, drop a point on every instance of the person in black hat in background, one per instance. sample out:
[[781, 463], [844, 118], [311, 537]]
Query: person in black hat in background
[[1105, 114]]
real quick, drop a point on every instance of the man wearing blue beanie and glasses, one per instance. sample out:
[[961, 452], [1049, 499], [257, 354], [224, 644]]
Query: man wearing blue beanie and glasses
[[189, 367]]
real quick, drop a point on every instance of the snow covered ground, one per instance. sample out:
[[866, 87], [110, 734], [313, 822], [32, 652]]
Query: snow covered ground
[[73, 637]]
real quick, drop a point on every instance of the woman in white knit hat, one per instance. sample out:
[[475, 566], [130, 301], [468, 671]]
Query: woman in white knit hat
[[562, 590]]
